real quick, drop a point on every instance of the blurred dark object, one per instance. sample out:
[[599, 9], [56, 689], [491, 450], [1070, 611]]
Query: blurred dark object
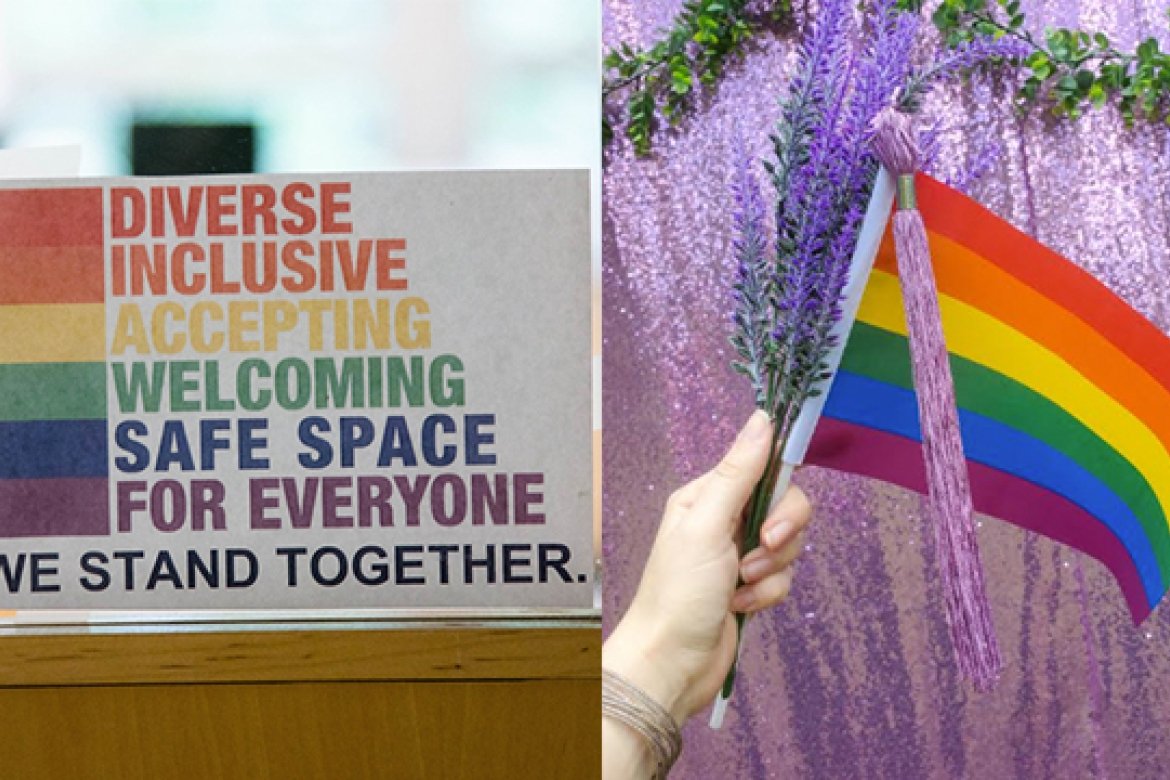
[[173, 149]]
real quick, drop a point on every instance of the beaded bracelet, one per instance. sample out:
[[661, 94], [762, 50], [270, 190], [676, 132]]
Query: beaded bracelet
[[624, 701]]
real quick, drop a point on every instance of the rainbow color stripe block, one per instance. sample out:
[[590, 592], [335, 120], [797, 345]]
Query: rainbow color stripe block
[[1063, 393], [53, 435]]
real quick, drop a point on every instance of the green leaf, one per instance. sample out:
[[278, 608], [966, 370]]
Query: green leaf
[[1114, 75], [1059, 44], [1097, 95], [944, 18], [1029, 89], [1084, 79], [1042, 69], [986, 29]]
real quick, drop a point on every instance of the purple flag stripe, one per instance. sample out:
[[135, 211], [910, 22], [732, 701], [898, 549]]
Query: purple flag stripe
[[54, 507]]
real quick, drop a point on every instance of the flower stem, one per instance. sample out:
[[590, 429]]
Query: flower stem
[[756, 513]]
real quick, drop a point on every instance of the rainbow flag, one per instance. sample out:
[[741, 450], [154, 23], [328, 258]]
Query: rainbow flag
[[1063, 393], [53, 437]]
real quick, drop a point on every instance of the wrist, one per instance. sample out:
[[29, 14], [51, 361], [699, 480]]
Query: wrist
[[625, 752], [636, 652]]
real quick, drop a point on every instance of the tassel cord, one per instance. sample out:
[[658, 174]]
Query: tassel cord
[[950, 504], [950, 497]]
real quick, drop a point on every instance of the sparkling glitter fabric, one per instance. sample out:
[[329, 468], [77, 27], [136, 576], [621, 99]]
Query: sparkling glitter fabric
[[854, 676]]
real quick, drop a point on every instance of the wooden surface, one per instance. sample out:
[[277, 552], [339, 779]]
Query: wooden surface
[[275, 655], [432, 703]]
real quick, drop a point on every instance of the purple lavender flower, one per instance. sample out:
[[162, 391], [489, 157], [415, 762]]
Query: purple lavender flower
[[819, 81], [788, 297], [986, 157], [752, 314], [975, 52], [960, 59], [884, 67], [824, 174]]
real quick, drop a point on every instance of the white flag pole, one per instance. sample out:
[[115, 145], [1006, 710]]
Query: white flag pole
[[869, 239]]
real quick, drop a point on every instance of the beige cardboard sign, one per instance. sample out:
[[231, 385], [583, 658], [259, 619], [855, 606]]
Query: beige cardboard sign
[[329, 391]]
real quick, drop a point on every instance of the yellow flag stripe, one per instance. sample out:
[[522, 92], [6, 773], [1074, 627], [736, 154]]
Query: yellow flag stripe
[[53, 333]]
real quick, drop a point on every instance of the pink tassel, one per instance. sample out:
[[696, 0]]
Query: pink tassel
[[968, 613]]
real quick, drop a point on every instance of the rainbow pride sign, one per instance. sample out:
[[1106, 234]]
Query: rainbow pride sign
[[322, 391]]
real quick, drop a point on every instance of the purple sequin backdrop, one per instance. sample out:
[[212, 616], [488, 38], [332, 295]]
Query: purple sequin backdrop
[[853, 676]]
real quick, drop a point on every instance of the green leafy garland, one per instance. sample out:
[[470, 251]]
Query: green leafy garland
[[665, 76], [1068, 70]]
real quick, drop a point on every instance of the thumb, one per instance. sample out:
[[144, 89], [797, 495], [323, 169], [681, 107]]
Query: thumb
[[726, 487]]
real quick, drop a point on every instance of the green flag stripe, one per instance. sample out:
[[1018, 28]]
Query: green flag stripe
[[52, 391]]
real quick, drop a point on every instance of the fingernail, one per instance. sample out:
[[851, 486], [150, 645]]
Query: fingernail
[[755, 569], [773, 537], [743, 601], [758, 427]]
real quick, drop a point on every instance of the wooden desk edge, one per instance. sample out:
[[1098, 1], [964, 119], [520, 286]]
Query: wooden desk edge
[[300, 655]]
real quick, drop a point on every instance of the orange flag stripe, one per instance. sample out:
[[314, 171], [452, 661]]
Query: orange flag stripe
[[961, 219]]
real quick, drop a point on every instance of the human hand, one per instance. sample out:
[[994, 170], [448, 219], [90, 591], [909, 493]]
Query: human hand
[[677, 640]]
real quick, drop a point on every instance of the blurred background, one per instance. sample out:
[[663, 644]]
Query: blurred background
[[187, 86]]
